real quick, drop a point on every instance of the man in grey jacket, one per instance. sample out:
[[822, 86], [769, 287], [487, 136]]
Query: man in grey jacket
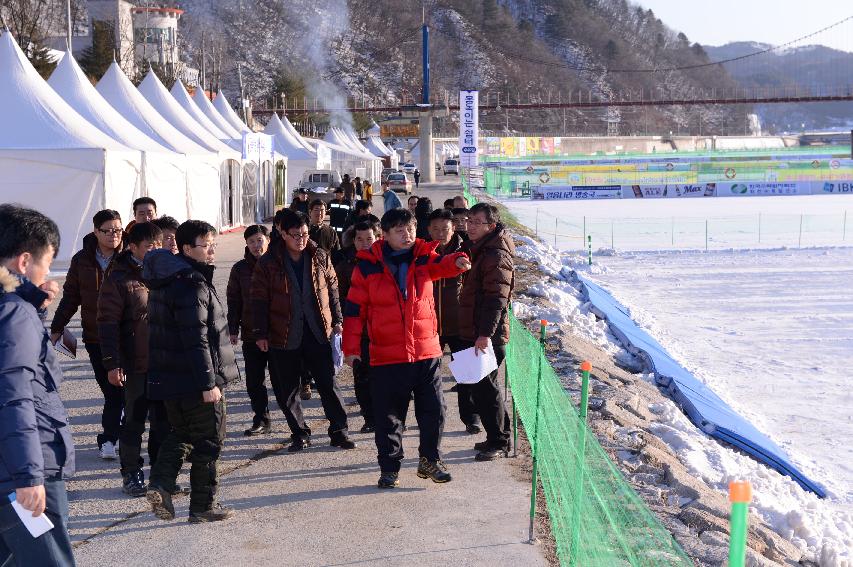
[[36, 451]]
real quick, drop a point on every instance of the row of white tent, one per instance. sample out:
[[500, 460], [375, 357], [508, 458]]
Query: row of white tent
[[69, 149]]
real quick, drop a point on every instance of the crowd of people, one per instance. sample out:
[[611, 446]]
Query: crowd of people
[[384, 296]]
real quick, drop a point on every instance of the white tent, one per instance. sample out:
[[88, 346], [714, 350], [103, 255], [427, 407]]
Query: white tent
[[350, 133], [206, 107], [350, 160], [52, 159], [164, 172], [220, 103], [162, 101], [296, 135], [203, 193], [183, 98], [299, 158]]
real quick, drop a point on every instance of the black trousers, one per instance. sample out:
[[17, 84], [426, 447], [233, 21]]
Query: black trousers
[[361, 382], [197, 435], [137, 407], [19, 548], [467, 411], [113, 397], [392, 386], [286, 369], [256, 374], [489, 402]]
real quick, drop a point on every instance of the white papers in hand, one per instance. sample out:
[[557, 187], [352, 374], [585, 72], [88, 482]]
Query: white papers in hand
[[35, 525], [470, 369]]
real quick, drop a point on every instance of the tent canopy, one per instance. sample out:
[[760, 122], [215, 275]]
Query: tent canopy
[[206, 107], [220, 103], [183, 97]]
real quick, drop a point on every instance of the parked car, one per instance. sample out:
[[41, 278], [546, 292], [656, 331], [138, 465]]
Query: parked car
[[409, 167], [398, 182], [451, 166], [386, 171], [313, 179]]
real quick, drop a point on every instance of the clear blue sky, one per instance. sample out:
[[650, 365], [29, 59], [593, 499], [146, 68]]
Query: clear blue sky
[[715, 22]]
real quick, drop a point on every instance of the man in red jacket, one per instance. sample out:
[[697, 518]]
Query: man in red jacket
[[391, 293]]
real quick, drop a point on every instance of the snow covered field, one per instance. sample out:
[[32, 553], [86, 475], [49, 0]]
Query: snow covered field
[[771, 331], [666, 224]]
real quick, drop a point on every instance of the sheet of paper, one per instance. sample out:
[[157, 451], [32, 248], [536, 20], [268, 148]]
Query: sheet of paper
[[66, 344], [470, 369], [36, 526], [337, 353]]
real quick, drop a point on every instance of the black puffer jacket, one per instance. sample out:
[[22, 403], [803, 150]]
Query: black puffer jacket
[[189, 348]]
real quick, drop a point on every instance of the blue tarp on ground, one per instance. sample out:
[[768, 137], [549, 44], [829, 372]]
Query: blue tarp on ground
[[700, 403]]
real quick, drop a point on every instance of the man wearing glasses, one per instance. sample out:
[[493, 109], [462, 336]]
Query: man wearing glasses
[[295, 313], [484, 318], [190, 361], [82, 285]]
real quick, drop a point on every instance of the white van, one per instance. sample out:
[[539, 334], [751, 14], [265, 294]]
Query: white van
[[451, 166], [313, 179]]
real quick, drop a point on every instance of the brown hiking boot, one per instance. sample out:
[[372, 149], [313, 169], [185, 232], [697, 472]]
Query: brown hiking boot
[[217, 513], [161, 502], [305, 392]]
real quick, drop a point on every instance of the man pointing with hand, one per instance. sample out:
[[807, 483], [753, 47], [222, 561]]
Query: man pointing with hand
[[391, 293]]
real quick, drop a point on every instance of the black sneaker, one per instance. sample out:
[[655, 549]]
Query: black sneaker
[[367, 428], [133, 484], [342, 441], [483, 445], [161, 503], [492, 452], [436, 471], [473, 428], [261, 428], [388, 480], [298, 443], [217, 513]]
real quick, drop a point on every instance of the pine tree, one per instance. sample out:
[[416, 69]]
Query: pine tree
[[96, 59]]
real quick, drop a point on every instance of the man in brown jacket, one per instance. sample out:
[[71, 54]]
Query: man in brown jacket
[[295, 312], [82, 285], [484, 317], [446, 292], [123, 329], [240, 322]]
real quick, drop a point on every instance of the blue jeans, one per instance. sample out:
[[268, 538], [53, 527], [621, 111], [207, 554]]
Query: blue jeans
[[52, 549]]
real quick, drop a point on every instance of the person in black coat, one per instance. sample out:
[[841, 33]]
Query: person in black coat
[[191, 360]]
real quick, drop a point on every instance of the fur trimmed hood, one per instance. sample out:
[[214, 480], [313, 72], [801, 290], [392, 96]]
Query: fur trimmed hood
[[8, 281]]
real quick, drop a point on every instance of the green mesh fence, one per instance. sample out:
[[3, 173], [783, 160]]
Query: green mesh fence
[[596, 517]]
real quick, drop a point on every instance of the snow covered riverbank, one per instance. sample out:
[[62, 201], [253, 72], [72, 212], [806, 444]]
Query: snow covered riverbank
[[821, 529]]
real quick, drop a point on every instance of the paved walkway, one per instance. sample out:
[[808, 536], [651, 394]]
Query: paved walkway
[[318, 507]]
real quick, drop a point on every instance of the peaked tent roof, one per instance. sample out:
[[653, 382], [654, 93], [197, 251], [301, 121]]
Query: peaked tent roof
[[160, 98], [296, 135], [220, 103], [376, 148], [285, 143], [117, 89], [183, 97], [336, 138], [33, 115], [350, 133], [69, 81], [374, 129], [206, 107]]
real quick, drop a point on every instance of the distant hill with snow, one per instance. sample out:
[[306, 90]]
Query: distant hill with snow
[[808, 67]]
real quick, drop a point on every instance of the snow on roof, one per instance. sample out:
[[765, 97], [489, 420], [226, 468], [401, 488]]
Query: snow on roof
[[220, 103], [203, 103], [33, 115], [69, 81], [285, 143], [155, 93], [117, 89]]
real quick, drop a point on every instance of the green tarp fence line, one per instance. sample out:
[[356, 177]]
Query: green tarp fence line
[[597, 518]]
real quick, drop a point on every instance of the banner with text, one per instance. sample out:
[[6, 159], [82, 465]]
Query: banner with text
[[469, 128], [553, 192]]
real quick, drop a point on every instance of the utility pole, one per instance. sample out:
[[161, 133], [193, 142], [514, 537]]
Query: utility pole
[[68, 13], [427, 165]]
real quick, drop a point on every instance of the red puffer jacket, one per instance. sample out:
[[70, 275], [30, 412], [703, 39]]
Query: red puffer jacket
[[400, 330]]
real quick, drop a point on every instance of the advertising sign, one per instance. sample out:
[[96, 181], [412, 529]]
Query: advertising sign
[[838, 187], [468, 129], [257, 146], [751, 189], [554, 192]]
